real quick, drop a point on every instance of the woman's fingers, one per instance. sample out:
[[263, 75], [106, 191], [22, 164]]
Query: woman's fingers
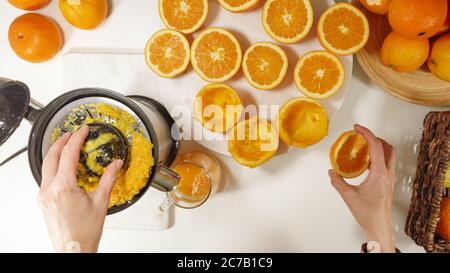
[[51, 160], [389, 155], [392, 161], [71, 153], [342, 187], [103, 191], [375, 147]]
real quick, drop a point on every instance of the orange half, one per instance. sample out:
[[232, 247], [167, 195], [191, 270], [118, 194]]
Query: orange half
[[319, 74], [167, 53], [302, 122], [186, 16], [287, 21], [239, 5], [343, 29], [253, 142], [264, 65], [376, 6], [216, 55], [217, 107], [349, 155], [29, 4]]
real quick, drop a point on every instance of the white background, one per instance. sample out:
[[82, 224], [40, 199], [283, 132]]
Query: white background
[[287, 205]]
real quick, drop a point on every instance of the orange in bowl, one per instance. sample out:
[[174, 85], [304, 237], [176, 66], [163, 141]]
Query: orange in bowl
[[184, 16], [167, 53], [403, 54], [253, 142], [349, 155], [239, 5], [217, 107], [319, 74], [84, 14], [446, 25], [29, 4], [216, 55], [343, 29], [287, 24], [35, 38], [417, 18], [302, 122], [264, 65], [439, 59]]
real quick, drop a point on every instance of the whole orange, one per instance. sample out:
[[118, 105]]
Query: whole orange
[[447, 20], [84, 14], [34, 37], [402, 54], [439, 59], [376, 6], [446, 25], [417, 18], [443, 227], [29, 4]]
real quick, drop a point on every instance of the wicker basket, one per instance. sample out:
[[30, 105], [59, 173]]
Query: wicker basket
[[428, 187]]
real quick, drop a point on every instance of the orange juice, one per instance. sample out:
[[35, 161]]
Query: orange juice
[[194, 182]]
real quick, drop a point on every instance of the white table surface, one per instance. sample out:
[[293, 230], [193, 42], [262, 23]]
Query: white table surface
[[287, 205]]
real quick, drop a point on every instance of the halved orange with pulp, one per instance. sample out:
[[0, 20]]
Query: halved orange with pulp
[[343, 29], [302, 122], [217, 107], [349, 155], [287, 21], [239, 5], [264, 65], [216, 55], [186, 16], [376, 6], [167, 53], [319, 74], [253, 142]]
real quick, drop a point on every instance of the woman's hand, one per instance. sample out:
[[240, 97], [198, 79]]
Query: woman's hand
[[74, 218], [371, 202]]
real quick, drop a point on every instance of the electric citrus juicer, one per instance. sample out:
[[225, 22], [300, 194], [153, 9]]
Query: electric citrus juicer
[[152, 118]]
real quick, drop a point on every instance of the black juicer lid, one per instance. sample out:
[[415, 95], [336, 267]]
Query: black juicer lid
[[14, 100]]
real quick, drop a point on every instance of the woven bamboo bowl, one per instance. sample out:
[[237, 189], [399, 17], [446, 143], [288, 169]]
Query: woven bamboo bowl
[[419, 87]]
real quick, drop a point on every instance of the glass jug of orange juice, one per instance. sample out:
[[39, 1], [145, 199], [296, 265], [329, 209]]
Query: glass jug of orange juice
[[200, 176]]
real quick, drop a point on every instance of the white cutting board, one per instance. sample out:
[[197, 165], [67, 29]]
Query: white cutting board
[[125, 71]]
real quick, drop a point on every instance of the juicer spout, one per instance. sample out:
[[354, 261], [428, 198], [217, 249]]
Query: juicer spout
[[165, 179]]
